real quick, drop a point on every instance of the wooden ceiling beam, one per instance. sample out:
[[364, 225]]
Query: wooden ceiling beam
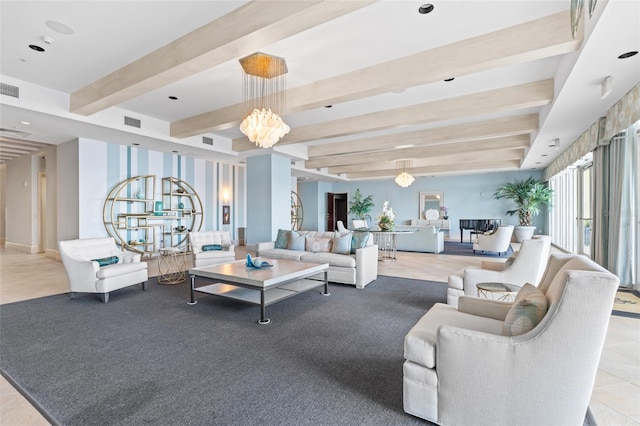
[[530, 41], [509, 142], [238, 33], [447, 168], [506, 126]]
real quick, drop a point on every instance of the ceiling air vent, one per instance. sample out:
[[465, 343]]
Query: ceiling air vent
[[134, 122], [9, 90], [207, 141], [13, 133]]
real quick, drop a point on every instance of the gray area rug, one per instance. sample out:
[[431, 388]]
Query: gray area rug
[[149, 358]]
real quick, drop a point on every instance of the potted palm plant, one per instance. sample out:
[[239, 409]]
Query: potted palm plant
[[529, 196], [359, 206]]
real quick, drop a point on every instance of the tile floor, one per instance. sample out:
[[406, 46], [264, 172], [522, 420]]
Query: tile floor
[[615, 399]]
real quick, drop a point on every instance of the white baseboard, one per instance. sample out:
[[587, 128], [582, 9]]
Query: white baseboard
[[22, 248], [52, 254]]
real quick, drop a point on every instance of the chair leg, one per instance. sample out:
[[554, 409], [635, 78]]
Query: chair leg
[[72, 295], [105, 297], [144, 286]]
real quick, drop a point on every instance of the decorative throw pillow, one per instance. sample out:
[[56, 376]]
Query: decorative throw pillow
[[296, 241], [282, 239], [211, 247], [528, 309], [359, 240], [341, 243], [104, 261], [317, 245]]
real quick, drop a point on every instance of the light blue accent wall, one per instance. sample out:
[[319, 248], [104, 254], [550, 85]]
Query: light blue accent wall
[[268, 197], [313, 196], [466, 197]]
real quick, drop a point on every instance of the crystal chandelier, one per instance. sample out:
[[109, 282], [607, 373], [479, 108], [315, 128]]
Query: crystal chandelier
[[404, 179], [263, 83]]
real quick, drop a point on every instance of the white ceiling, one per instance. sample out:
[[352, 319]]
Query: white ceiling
[[108, 35]]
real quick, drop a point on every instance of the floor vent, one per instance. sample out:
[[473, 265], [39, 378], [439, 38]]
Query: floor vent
[[207, 141], [13, 133], [9, 90], [134, 122]]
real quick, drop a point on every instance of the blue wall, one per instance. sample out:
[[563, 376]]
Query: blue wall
[[313, 195], [466, 197]]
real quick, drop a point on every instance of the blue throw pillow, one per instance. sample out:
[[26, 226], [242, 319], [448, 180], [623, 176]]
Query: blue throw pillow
[[104, 261], [296, 241], [341, 244], [282, 239], [359, 240], [210, 247]]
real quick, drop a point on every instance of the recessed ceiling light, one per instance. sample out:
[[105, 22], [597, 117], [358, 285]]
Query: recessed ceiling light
[[36, 48], [26, 123], [175, 152], [173, 98], [538, 162], [628, 54], [544, 155], [135, 144], [59, 27], [328, 106], [449, 79], [425, 8]]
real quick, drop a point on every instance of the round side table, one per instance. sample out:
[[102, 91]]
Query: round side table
[[172, 265], [505, 292]]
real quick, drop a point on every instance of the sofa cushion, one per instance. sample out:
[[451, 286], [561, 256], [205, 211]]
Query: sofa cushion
[[296, 241], [359, 240], [341, 243], [317, 245], [104, 261], [528, 309], [120, 269], [216, 254], [420, 342], [282, 239], [333, 259], [284, 254]]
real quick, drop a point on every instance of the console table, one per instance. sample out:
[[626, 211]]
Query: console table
[[387, 242]]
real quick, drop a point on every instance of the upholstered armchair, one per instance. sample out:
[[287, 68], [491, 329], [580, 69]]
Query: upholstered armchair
[[498, 241], [211, 248], [525, 266], [500, 363], [82, 261], [340, 227]]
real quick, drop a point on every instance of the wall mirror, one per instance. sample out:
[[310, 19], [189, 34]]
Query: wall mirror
[[431, 202]]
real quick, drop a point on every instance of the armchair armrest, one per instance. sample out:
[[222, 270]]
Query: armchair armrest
[[230, 247], [492, 266], [366, 265], [487, 308], [81, 274]]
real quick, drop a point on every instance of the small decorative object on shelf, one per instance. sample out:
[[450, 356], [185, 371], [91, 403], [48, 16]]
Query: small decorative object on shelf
[[180, 190], [181, 228], [445, 212], [158, 208], [140, 194], [181, 205], [386, 218]]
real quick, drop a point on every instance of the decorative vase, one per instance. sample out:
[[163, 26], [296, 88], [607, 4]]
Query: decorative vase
[[158, 208], [181, 205], [386, 226], [140, 194]]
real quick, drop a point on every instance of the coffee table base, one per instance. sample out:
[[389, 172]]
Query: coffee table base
[[256, 296]]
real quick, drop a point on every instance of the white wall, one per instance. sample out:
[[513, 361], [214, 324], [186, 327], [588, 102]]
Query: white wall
[[3, 201], [21, 189]]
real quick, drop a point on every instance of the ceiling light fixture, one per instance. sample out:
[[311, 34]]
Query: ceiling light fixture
[[628, 54], [425, 8], [606, 87], [36, 48], [449, 79], [404, 179], [173, 98], [263, 83]]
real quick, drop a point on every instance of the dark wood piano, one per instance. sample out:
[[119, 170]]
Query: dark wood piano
[[478, 226]]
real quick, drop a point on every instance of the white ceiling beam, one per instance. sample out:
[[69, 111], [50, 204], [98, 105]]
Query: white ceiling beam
[[506, 126], [530, 41], [509, 142], [238, 33], [448, 168]]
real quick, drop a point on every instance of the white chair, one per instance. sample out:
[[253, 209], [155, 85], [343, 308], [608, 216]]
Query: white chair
[[201, 257], [341, 228], [497, 242], [474, 365], [87, 276], [359, 224], [525, 266]]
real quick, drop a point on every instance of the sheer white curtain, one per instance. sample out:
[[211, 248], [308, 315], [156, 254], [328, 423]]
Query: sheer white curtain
[[562, 223], [616, 206]]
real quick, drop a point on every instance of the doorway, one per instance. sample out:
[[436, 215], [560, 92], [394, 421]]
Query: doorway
[[337, 209], [42, 212], [584, 210]]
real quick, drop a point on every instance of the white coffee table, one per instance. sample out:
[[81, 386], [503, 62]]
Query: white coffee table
[[286, 278]]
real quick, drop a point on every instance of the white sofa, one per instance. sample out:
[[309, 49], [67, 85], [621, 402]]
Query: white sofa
[[497, 241], [358, 269], [466, 366], [211, 257], [427, 239], [525, 266], [87, 276]]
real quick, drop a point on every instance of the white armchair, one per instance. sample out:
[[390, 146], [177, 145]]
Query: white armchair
[[426, 239], [201, 257], [525, 266], [498, 241], [87, 276], [467, 366]]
